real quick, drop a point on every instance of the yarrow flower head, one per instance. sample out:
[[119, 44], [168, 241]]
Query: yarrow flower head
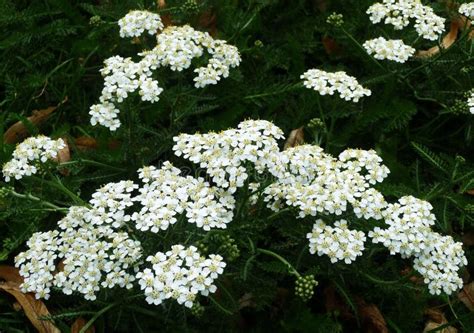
[[437, 258], [399, 13], [326, 83], [467, 9], [176, 48], [224, 154], [338, 243], [394, 49], [31, 151], [166, 194], [180, 274], [137, 21]]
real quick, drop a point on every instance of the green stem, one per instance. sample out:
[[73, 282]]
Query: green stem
[[360, 47], [36, 199], [85, 161], [220, 306], [291, 269]]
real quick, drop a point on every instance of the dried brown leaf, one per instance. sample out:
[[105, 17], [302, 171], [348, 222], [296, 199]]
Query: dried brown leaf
[[85, 143], [466, 295], [436, 319], [330, 46], [371, 317], [9, 273], [296, 138], [18, 131], [33, 308], [208, 20], [79, 324], [468, 238]]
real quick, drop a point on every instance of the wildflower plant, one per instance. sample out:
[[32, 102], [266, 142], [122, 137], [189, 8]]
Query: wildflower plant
[[348, 187]]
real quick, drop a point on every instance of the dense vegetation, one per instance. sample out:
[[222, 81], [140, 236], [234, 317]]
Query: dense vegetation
[[417, 120]]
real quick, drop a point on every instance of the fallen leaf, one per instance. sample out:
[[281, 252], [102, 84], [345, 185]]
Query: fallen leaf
[[208, 20], [79, 324], [333, 302], [33, 308], [371, 317], [466, 295], [470, 192], [18, 130], [85, 143], [296, 138], [330, 46], [9, 273], [436, 319], [64, 155], [161, 3], [468, 238]]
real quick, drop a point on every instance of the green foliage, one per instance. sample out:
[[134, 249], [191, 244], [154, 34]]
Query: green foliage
[[416, 119]]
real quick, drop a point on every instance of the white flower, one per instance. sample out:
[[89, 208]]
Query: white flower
[[165, 195], [339, 243], [91, 257], [176, 48], [399, 13], [470, 103], [33, 150], [181, 274], [137, 21], [394, 49], [326, 83], [224, 154], [467, 9]]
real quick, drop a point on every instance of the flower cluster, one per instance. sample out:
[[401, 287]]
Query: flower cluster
[[32, 150], [399, 13], [224, 154], [437, 257], [79, 257], [317, 183], [327, 83], [165, 194], [181, 274], [393, 49], [339, 243], [122, 77], [470, 103], [137, 21], [467, 9], [176, 48], [91, 249]]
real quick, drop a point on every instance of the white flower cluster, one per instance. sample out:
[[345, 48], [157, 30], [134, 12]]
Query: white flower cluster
[[470, 103], [393, 49], [467, 9], [79, 257], [176, 48], [437, 257], [137, 21], [224, 154], [166, 194], [317, 183], [399, 13], [122, 77], [32, 150], [338, 243], [327, 83], [181, 274]]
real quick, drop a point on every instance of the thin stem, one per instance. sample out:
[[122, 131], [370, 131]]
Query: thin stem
[[363, 50], [36, 199], [291, 269], [85, 161]]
